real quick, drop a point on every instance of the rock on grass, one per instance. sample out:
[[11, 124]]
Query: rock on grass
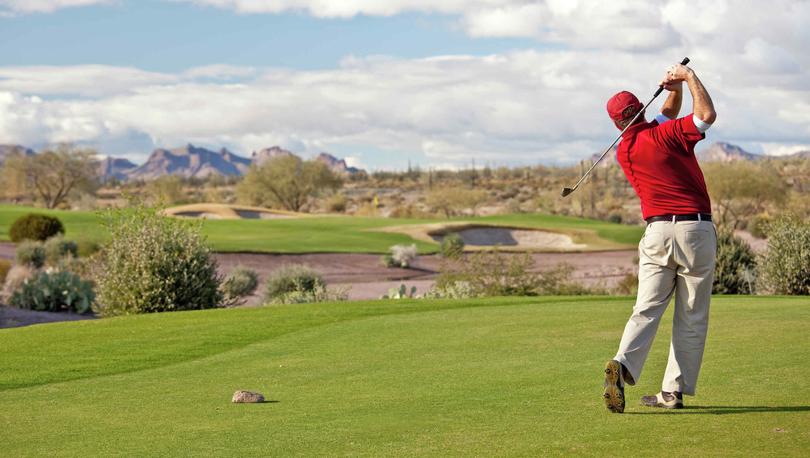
[[247, 397]]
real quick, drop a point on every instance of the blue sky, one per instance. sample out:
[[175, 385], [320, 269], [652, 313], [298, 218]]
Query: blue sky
[[382, 82], [170, 37]]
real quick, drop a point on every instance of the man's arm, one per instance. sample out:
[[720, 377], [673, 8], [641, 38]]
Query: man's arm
[[702, 105], [672, 106]]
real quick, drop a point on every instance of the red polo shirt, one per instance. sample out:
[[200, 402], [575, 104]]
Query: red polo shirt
[[659, 161]]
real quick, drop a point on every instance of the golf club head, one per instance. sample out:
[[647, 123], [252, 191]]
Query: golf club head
[[566, 191]]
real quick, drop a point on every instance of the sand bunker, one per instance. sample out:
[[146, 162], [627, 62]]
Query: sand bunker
[[478, 236], [223, 211], [486, 236]]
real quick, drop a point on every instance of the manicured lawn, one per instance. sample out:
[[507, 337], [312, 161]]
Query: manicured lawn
[[335, 234], [514, 377]]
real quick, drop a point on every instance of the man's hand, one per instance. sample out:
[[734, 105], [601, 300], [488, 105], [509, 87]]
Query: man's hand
[[702, 105], [672, 86], [676, 74]]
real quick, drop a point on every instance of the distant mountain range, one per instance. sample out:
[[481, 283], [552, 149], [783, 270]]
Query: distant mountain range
[[7, 150], [717, 152], [188, 162]]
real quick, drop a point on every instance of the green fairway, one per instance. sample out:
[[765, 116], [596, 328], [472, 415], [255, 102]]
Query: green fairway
[[501, 376], [336, 234]]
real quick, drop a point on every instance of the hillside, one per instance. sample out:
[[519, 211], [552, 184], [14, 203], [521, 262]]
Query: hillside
[[190, 162], [7, 150]]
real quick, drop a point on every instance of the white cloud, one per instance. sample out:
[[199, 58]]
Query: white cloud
[[83, 80], [10, 7], [519, 106]]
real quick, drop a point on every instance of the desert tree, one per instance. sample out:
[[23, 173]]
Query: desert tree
[[452, 201], [287, 182], [51, 175], [739, 190]]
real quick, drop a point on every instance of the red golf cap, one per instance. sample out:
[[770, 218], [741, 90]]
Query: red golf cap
[[622, 106]]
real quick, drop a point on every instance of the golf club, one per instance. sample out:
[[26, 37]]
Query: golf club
[[567, 191]]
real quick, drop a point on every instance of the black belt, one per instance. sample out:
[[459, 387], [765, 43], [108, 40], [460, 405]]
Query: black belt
[[676, 218]]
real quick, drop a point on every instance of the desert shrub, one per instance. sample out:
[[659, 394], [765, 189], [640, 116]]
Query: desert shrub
[[495, 273], [15, 277], [758, 226], [87, 248], [452, 246], [5, 266], [30, 253], [239, 283], [400, 293], [451, 290], [557, 282], [733, 272], [57, 248], [35, 226], [627, 286], [785, 267], [154, 263], [54, 291], [336, 203], [289, 279], [490, 273], [318, 294], [615, 218], [403, 255]]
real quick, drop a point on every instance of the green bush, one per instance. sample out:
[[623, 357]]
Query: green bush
[[734, 270], [153, 263], [30, 253], [239, 283], [53, 292], [292, 279], [452, 246], [785, 266], [35, 226], [57, 249], [5, 266]]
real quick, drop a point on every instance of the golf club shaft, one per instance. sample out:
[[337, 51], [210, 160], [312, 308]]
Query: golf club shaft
[[657, 93]]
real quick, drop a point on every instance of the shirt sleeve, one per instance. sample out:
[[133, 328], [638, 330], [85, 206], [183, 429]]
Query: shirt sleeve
[[700, 124], [661, 118], [680, 134]]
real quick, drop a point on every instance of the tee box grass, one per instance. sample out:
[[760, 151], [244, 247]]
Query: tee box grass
[[496, 376]]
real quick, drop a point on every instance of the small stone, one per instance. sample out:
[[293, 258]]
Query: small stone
[[247, 396]]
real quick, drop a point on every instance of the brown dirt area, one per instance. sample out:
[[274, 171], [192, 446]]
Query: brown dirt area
[[364, 274]]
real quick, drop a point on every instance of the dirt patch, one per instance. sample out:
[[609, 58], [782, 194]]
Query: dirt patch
[[368, 279], [12, 317], [364, 275]]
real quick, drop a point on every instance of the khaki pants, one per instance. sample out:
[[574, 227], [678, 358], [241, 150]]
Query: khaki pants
[[673, 258]]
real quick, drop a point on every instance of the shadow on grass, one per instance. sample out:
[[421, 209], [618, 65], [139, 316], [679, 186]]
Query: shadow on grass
[[722, 410]]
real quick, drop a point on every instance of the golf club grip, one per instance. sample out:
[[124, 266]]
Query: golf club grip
[[661, 88]]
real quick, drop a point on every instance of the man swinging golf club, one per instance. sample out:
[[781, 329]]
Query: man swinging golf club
[[677, 252]]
